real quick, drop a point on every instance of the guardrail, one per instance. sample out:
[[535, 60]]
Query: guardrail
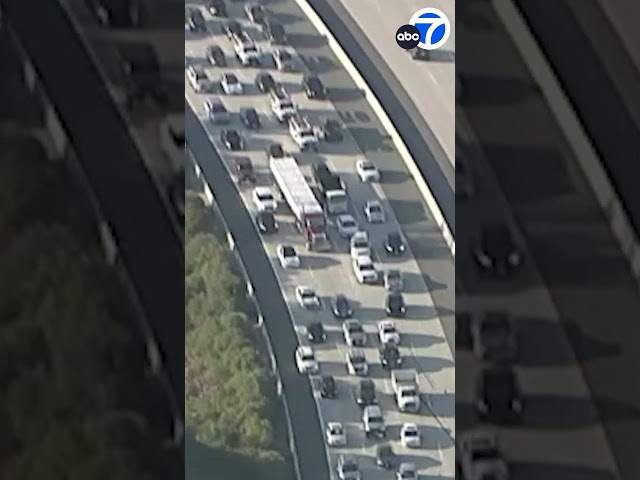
[[574, 132], [359, 80], [210, 197]]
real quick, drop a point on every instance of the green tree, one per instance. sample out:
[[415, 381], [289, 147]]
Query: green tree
[[196, 215]]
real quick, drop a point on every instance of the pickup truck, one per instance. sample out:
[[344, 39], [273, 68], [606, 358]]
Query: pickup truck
[[406, 390]]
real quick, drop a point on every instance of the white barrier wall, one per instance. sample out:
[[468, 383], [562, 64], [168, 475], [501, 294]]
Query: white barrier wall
[[385, 120], [577, 138]]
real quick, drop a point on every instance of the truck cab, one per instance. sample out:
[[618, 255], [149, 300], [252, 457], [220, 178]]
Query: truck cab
[[302, 132], [332, 189]]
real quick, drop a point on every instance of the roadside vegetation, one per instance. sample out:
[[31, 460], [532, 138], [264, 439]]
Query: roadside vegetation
[[68, 364], [230, 403]]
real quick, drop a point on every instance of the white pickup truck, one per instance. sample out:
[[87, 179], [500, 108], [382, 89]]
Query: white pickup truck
[[406, 390]]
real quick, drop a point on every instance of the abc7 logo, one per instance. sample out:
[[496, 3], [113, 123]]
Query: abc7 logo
[[408, 37]]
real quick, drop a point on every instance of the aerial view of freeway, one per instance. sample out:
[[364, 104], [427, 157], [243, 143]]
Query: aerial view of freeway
[[337, 213]]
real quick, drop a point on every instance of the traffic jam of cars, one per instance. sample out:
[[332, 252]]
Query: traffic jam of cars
[[318, 207]]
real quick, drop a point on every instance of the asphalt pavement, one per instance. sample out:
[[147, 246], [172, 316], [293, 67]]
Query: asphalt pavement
[[425, 345], [426, 88], [576, 296], [421, 142]]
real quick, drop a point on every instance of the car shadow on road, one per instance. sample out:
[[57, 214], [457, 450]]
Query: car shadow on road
[[320, 64], [537, 471], [495, 91], [556, 351], [344, 94], [426, 312], [439, 404], [316, 262], [286, 18], [306, 40], [431, 364], [442, 56], [547, 412]]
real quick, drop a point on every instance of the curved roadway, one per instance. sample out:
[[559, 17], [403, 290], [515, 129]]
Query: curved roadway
[[427, 87], [425, 344], [114, 169], [581, 415], [424, 147]]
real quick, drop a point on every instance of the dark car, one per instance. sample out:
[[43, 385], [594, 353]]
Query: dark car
[[418, 53], [386, 457], [274, 32], [275, 150], [196, 21], [266, 222], [217, 8], [265, 82], [498, 394], [256, 13], [216, 56], [328, 387], [232, 28], [332, 131], [496, 250], [394, 244], [313, 87], [316, 333], [231, 139], [365, 393], [249, 118], [494, 337], [244, 170], [341, 307], [395, 306], [390, 356]]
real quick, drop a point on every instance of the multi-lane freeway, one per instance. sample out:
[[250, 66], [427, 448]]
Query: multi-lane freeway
[[424, 343]]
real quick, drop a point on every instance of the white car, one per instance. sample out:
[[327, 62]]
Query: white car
[[480, 456], [407, 471], [230, 84], [359, 245], [198, 78], [410, 436], [306, 360], [288, 256], [374, 212], [388, 333], [307, 297], [264, 200], [347, 225], [365, 270], [367, 171], [336, 434]]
